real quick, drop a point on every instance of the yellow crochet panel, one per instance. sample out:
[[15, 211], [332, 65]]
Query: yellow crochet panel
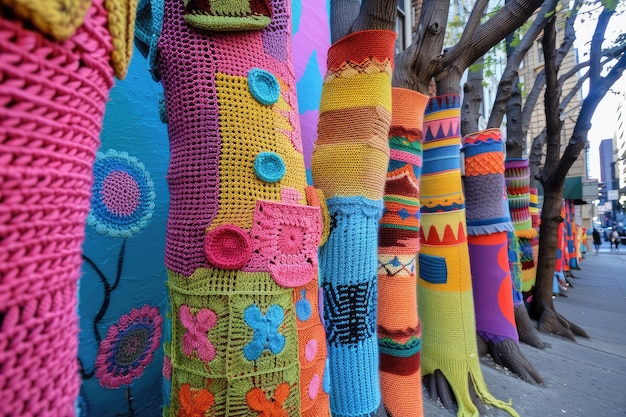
[[248, 128]]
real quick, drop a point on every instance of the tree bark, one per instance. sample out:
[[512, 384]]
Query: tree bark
[[472, 98], [508, 81], [556, 168]]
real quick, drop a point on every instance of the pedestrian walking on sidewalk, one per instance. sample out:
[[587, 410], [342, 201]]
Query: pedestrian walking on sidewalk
[[615, 239], [597, 240]]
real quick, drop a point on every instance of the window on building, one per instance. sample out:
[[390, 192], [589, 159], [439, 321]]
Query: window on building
[[401, 22], [539, 51]]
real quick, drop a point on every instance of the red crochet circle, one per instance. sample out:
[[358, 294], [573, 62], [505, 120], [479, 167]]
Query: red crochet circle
[[228, 247]]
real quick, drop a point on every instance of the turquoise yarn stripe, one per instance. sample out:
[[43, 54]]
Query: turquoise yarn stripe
[[348, 266]]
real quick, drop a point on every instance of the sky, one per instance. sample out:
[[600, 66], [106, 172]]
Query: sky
[[604, 121]]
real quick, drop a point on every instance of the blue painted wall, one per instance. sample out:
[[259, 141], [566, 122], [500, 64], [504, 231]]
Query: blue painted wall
[[132, 125]]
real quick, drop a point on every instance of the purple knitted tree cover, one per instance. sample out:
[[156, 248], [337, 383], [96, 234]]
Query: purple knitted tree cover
[[488, 225], [244, 227]]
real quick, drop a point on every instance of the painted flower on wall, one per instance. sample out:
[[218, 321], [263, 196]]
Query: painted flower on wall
[[128, 347], [122, 201]]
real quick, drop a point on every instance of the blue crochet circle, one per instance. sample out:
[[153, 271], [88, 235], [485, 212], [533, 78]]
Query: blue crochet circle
[[269, 167], [138, 199], [263, 86]]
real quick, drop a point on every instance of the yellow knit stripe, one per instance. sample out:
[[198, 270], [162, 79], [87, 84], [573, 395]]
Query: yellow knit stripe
[[443, 114], [347, 161], [443, 188], [457, 267], [362, 90], [242, 118], [441, 143]]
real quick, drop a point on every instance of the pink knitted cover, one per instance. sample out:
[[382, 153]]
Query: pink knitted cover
[[188, 61], [52, 99]]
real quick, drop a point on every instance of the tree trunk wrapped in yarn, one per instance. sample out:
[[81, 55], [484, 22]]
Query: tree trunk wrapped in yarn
[[244, 228], [349, 164], [399, 329], [52, 101], [572, 252], [446, 305], [487, 228], [517, 175], [533, 210]]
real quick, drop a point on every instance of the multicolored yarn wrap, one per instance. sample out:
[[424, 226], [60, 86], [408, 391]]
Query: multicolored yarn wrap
[[349, 164], [487, 237], [517, 175], [572, 248], [399, 329], [244, 228], [52, 101], [534, 211], [446, 304], [560, 263]]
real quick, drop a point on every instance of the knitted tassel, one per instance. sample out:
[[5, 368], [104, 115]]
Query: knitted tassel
[[399, 329], [491, 276], [349, 164], [243, 229], [517, 176], [446, 305], [52, 101]]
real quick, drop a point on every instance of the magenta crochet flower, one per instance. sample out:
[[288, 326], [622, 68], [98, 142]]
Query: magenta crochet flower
[[198, 325], [128, 347]]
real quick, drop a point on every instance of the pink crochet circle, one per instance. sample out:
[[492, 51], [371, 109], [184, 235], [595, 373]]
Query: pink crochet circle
[[310, 350], [291, 241], [120, 193], [228, 247], [314, 386]]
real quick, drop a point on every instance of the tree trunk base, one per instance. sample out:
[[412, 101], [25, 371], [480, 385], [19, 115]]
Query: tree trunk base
[[440, 390], [508, 354], [526, 329], [552, 322]]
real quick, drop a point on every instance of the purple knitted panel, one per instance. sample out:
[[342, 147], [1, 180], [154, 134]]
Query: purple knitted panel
[[277, 35], [194, 141], [488, 276]]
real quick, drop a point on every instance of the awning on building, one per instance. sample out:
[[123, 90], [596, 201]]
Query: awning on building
[[573, 190]]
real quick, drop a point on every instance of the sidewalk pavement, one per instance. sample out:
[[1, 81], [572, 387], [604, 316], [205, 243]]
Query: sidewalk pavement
[[582, 379]]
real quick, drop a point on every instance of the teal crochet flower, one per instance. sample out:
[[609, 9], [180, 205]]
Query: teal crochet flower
[[266, 335]]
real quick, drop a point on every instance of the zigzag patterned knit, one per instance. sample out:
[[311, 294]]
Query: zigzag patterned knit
[[52, 100], [483, 184], [349, 164], [517, 175], [399, 329], [243, 232], [446, 305]]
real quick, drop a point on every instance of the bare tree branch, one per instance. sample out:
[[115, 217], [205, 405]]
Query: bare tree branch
[[596, 42], [578, 141], [416, 65], [513, 62], [472, 23]]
